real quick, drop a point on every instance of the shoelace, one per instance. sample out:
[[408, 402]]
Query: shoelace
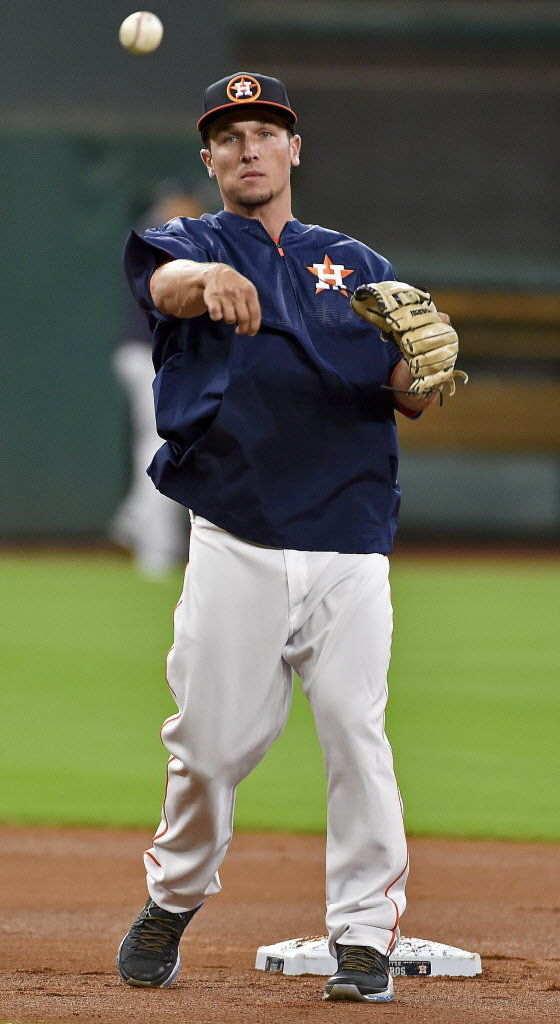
[[359, 958], [155, 934]]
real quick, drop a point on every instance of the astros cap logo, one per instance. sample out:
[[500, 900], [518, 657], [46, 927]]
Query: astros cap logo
[[243, 88]]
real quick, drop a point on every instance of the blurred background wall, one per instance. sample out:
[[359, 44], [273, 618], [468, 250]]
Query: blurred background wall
[[430, 131]]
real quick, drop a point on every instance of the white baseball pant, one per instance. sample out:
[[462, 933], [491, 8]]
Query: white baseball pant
[[249, 616]]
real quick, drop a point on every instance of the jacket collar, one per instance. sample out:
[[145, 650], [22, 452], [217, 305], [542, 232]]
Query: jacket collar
[[237, 223]]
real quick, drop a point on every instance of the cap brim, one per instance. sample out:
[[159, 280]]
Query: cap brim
[[286, 113]]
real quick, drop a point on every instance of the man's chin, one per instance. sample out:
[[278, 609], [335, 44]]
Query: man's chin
[[251, 202]]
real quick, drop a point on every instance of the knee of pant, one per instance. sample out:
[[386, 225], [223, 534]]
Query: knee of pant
[[202, 763], [336, 710], [209, 764], [210, 753], [341, 724]]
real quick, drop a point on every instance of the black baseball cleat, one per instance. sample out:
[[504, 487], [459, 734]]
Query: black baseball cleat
[[148, 956], [362, 976]]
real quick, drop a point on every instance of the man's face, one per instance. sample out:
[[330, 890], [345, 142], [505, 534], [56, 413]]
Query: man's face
[[251, 158]]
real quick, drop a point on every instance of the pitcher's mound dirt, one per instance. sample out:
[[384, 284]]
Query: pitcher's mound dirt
[[69, 895]]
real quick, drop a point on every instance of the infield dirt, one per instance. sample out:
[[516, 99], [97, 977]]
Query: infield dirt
[[69, 895]]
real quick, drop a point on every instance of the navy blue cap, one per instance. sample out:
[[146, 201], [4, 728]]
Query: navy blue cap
[[245, 90]]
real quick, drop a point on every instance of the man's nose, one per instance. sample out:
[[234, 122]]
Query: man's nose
[[250, 150]]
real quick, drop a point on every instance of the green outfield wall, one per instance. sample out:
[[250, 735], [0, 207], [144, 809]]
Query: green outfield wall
[[68, 203], [430, 135]]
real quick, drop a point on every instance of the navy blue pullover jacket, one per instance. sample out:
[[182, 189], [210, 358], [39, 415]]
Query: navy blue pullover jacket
[[286, 438]]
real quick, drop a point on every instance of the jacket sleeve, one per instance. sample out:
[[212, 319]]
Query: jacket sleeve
[[144, 254]]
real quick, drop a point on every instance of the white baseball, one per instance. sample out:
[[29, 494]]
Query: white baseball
[[141, 32]]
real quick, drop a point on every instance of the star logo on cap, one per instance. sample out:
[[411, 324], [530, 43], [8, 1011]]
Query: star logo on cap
[[330, 275], [243, 89]]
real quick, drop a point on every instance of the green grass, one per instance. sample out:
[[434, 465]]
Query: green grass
[[473, 715]]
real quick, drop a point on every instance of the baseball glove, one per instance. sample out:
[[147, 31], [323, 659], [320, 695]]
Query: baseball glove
[[409, 316]]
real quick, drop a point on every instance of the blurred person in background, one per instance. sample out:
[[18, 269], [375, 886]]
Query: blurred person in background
[[147, 523]]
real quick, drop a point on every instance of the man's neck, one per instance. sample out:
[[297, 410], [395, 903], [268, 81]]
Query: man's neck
[[272, 219]]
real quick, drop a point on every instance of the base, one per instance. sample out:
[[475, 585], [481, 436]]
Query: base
[[411, 958]]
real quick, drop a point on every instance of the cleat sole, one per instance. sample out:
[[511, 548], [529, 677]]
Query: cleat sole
[[353, 994]]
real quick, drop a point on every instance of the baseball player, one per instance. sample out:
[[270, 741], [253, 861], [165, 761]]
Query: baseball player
[[276, 402]]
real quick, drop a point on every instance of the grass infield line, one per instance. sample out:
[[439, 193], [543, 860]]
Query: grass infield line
[[471, 712]]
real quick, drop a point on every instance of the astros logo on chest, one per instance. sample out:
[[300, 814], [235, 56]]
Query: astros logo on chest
[[330, 276]]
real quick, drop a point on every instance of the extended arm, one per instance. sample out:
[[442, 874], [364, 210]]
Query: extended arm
[[185, 288]]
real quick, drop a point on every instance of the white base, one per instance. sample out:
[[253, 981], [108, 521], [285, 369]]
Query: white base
[[412, 957]]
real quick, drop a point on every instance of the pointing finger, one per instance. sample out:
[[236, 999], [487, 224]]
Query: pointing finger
[[254, 308], [215, 309], [229, 313], [243, 317]]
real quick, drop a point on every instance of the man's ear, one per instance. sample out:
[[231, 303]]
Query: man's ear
[[295, 148], [206, 157]]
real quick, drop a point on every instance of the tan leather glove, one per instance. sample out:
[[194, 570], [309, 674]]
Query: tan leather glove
[[410, 317]]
